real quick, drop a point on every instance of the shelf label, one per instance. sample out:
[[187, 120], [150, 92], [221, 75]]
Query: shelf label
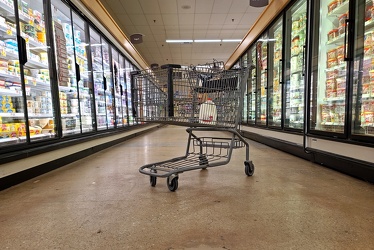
[[34, 81], [3, 52], [9, 32]]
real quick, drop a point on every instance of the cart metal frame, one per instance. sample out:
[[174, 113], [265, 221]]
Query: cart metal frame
[[174, 95]]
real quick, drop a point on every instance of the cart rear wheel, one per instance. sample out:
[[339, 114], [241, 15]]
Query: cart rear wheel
[[172, 183], [153, 179], [249, 168]]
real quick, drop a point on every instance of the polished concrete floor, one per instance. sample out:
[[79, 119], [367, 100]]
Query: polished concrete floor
[[103, 202]]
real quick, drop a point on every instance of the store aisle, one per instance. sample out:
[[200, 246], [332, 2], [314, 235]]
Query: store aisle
[[103, 202]]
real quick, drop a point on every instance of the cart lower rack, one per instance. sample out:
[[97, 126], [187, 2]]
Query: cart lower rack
[[209, 103]]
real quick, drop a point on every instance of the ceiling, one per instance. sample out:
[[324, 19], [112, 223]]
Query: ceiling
[[159, 20]]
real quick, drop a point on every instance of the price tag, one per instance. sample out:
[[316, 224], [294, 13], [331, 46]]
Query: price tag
[[26, 81], [31, 22], [3, 52], [27, 39], [9, 32], [34, 81]]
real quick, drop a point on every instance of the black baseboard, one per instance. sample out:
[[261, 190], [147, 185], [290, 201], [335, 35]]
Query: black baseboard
[[355, 168], [30, 173]]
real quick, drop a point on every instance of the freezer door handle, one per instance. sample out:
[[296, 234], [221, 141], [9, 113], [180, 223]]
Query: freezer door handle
[[347, 56], [22, 47], [104, 82], [303, 66], [78, 72], [280, 71]]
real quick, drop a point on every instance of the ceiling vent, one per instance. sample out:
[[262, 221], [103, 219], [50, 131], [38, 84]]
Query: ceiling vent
[[136, 38], [258, 3]]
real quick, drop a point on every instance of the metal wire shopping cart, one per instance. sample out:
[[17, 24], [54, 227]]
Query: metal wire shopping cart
[[207, 101]]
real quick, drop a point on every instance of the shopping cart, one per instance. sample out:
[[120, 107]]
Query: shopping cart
[[207, 100]]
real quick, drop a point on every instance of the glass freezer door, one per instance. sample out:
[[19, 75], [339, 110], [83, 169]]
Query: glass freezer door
[[108, 86], [295, 62], [262, 80], [128, 69], [36, 69], [122, 86], [244, 63], [275, 74], [98, 79], [252, 85], [117, 87], [82, 105], [329, 68], [12, 104], [66, 68], [363, 82]]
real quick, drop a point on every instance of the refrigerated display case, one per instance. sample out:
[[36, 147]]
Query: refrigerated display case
[[363, 79], [275, 73], [26, 110], [295, 65], [330, 68], [262, 80]]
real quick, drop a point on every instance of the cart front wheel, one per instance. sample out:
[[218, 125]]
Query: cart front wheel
[[153, 179], [249, 168], [172, 183]]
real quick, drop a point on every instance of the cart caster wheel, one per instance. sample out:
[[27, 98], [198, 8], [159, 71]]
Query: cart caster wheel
[[172, 184], [249, 168], [203, 161], [153, 179]]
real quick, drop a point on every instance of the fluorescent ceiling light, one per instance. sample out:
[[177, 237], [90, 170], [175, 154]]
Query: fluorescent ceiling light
[[231, 40], [208, 41], [179, 41]]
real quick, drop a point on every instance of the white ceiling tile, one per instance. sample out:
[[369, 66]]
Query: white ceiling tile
[[150, 6], [117, 6], [205, 6], [186, 19], [168, 6], [221, 6], [248, 18], [132, 7], [234, 18], [202, 19], [170, 19], [138, 20], [217, 19], [154, 19], [124, 20], [239, 6]]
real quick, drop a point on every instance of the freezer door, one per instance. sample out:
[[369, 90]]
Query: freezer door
[[295, 65], [84, 100], [262, 79], [275, 73], [12, 103], [252, 83], [363, 78], [329, 68], [25, 85], [109, 86]]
